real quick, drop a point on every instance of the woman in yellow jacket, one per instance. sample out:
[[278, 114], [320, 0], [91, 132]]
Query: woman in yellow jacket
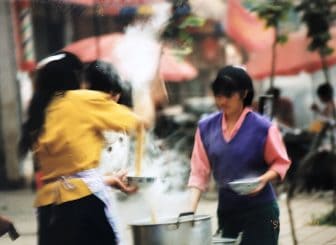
[[64, 130]]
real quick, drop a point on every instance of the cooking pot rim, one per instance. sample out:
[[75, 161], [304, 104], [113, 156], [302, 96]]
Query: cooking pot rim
[[170, 220]]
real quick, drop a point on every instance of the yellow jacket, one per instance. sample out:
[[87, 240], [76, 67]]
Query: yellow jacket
[[72, 140]]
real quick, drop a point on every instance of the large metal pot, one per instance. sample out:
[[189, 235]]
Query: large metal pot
[[186, 229]]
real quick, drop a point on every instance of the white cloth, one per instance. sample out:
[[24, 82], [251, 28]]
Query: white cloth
[[115, 153], [95, 183]]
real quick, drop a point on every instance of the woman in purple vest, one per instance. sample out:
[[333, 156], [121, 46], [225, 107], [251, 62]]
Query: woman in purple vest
[[233, 144]]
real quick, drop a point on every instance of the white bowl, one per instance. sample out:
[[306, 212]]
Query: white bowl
[[244, 186]]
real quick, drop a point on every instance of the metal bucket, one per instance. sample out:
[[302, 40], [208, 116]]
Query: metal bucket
[[186, 229]]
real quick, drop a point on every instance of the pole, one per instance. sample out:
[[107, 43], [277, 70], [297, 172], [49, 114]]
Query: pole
[[9, 102], [96, 26], [291, 220], [325, 68], [26, 48], [274, 55]]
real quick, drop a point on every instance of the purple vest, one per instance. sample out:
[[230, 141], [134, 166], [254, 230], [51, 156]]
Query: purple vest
[[242, 157]]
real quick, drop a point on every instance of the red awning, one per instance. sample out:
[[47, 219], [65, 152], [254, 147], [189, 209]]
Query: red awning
[[245, 28], [176, 69], [292, 58], [102, 47]]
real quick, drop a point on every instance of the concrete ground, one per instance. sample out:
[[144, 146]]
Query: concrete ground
[[18, 206], [304, 208]]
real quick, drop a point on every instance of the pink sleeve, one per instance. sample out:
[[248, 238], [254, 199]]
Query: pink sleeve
[[276, 153], [200, 166]]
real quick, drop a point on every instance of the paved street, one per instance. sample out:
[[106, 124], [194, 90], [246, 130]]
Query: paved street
[[304, 208], [18, 206]]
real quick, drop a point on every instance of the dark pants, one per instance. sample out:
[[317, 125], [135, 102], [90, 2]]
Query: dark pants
[[260, 225], [79, 222]]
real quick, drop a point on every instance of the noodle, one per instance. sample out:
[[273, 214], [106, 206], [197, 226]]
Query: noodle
[[140, 139]]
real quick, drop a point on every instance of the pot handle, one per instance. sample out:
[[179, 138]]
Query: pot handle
[[185, 214]]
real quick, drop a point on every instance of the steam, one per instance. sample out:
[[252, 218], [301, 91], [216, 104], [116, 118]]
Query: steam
[[170, 168], [139, 52], [147, 204], [214, 10], [160, 18], [139, 56]]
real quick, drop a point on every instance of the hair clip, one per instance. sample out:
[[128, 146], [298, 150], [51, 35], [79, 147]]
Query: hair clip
[[240, 67], [49, 59]]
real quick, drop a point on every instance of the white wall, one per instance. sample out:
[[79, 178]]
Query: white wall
[[301, 89]]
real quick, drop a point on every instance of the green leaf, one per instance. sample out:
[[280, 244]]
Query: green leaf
[[325, 51], [181, 52], [192, 21], [282, 39]]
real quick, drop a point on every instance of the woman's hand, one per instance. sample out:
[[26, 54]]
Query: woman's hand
[[194, 198], [261, 185], [5, 225], [263, 180], [119, 181]]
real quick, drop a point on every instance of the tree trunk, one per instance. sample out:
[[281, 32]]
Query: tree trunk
[[327, 79], [325, 68], [274, 56]]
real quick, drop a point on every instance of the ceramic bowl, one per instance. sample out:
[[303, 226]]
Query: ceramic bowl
[[244, 186]]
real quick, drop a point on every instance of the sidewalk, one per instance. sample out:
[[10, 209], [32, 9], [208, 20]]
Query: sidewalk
[[18, 206], [304, 208]]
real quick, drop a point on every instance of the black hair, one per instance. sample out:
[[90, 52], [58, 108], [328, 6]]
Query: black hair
[[325, 91], [126, 95], [231, 79], [102, 76], [274, 91], [55, 74]]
